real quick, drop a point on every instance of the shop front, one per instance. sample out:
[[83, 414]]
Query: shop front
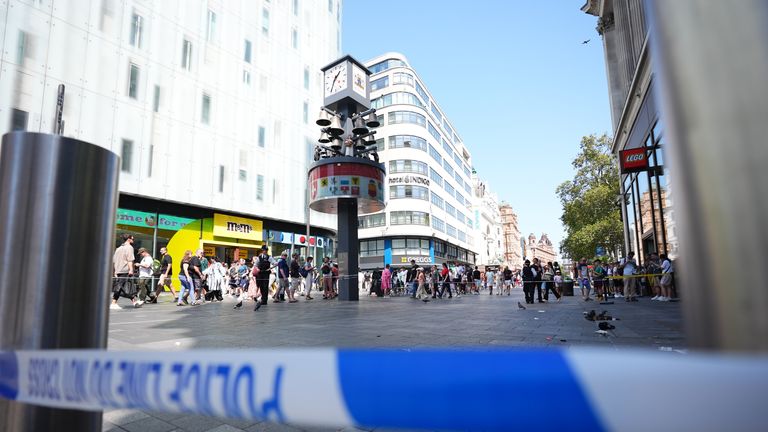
[[151, 231]]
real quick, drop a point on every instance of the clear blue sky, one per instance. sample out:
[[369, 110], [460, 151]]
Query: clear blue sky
[[512, 76]]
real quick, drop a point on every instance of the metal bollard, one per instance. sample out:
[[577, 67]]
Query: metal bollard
[[712, 63], [58, 198]]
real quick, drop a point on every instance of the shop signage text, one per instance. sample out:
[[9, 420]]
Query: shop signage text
[[237, 227], [633, 160], [150, 220], [418, 259], [409, 180]]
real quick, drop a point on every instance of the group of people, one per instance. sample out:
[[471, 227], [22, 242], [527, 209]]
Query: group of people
[[209, 279], [626, 279], [434, 282]]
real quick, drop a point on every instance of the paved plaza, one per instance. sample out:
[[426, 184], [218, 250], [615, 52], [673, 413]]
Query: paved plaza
[[468, 322]]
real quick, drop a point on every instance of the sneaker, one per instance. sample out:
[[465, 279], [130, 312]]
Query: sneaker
[[664, 299], [656, 298], [138, 304], [115, 306]]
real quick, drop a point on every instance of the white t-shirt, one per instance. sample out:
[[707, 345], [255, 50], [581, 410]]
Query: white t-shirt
[[145, 267], [666, 266], [629, 267]]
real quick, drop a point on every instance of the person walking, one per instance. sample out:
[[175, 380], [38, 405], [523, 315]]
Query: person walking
[[196, 275], [166, 273], [122, 284], [145, 275], [508, 279], [327, 272], [185, 279], [283, 270], [214, 274], [410, 278], [582, 270], [421, 282], [548, 281], [386, 280], [538, 274], [295, 276], [445, 277], [528, 282], [263, 266], [598, 279], [309, 277]]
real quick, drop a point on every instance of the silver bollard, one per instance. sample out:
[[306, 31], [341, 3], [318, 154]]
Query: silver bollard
[[58, 198], [712, 64]]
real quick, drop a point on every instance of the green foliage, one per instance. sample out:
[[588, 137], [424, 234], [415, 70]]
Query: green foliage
[[591, 214]]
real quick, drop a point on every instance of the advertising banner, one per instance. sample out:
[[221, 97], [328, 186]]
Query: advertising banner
[[633, 160], [237, 227]]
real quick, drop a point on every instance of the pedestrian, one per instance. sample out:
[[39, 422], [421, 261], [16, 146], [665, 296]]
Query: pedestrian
[[185, 279], [421, 282], [335, 275], [283, 275], [263, 267], [630, 283], [215, 275], [309, 277], [445, 277], [508, 279], [410, 278], [598, 279], [528, 282], [549, 282], [558, 279], [538, 274], [583, 272], [386, 280], [476, 280], [145, 275], [233, 278], [667, 272], [123, 284], [295, 278], [490, 280], [196, 273], [166, 271], [326, 274]]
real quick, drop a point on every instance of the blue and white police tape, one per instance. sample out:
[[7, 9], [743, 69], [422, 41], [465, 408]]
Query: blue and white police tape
[[585, 389]]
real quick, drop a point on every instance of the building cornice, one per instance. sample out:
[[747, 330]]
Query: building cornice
[[640, 82]]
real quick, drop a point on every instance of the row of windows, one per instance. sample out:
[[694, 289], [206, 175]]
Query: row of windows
[[408, 191], [408, 218], [396, 117], [371, 248], [416, 247], [407, 141], [407, 166], [396, 98], [386, 64]]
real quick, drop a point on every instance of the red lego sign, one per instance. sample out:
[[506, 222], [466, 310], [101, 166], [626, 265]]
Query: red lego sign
[[633, 160]]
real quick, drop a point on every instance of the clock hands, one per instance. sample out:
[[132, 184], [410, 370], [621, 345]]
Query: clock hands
[[334, 80]]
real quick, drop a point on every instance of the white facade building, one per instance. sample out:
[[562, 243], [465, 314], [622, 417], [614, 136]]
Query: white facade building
[[489, 241], [429, 193], [210, 104]]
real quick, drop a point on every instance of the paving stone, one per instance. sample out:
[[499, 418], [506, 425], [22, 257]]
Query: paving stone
[[197, 423], [110, 427], [225, 428], [149, 424], [123, 416]]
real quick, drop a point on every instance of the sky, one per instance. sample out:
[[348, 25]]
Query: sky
[[513, 78]]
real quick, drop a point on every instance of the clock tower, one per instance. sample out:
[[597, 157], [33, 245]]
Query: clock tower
[[345, 86]]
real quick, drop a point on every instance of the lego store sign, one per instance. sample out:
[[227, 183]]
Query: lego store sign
[[237, 227], [633, 160]]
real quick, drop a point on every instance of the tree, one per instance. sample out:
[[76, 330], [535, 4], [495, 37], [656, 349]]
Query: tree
[[591, 213]]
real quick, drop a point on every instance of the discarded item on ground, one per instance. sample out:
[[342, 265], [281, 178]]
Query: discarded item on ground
[[602, 332], [563, 340], [605, 326], [542, 311], [589, 316]]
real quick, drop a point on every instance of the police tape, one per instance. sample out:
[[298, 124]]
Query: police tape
[[479, 390]]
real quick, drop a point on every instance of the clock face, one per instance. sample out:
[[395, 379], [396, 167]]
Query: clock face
[[359, 81], [336, 79]]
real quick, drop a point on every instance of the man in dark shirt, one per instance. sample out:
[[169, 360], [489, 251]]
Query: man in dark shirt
[[410, 278], [476, 282], [264, 265], [528, 282], [295, 278], [165, 276], [537, 276], [196, 273], [282, 278], [507, 280]]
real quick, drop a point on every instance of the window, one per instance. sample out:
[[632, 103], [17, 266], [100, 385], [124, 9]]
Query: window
[[379, 144], [306, 77], [246, 77], [306, 112], [126, 155], [133, 82], [407, 166], [447, 128], [21, 47], [259, 187], [402, 78], [451, 210], [137, 27], [407, 141], [408, 191], [439, 225], [448, 167], [372, 221], [467, 171], [457, 176], [210, 28], [262, 136], [435, 155], [460, 198], [439, 245], [247, 51], [379, 83], [461, 235], [243, 175], [410, 246], [295, 8], [186, 55], [221, 178], [447, 147], [151, 160], [386, 64], [19, 119], [436, 113], [396, 98], [435, 133], [294, 38], [437, 201], [396, 117], [457, 159], [408, 218], [451, 231], [330, 6], [371, 248], [205, 114], [422, 93], [448, 188], [437, 178], [467, 188], [265, 22], [156, 99]]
